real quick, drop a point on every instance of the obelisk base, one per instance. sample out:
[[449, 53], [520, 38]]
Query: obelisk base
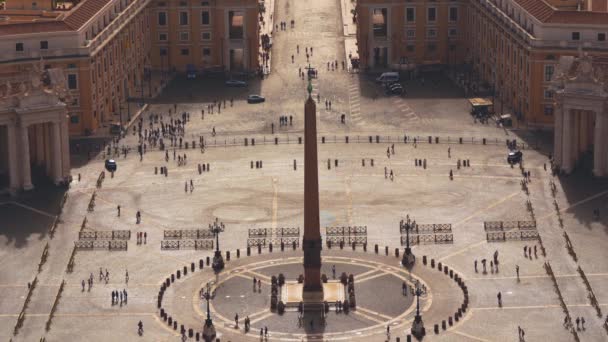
[[313, 296], [218, 261], [408, 258]]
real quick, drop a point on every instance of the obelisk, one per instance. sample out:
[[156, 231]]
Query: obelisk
[[313, 288]]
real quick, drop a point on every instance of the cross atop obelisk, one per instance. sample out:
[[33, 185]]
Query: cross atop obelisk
[[313, 288]]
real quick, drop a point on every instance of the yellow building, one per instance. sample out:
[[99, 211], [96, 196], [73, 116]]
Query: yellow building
[[394, 33], [199, 35]]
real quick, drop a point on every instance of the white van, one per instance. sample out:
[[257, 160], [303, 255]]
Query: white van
[[388, 77]]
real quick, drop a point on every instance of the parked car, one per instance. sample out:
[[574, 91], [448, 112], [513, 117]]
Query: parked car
[[255, 99], [236, 83], [514, 157], [111, 165], [388, 77]]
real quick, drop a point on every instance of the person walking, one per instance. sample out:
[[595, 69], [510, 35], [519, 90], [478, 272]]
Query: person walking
[[499, 296], [517, 271]]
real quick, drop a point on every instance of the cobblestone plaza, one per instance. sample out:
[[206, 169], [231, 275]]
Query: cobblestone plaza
[[549, 243]]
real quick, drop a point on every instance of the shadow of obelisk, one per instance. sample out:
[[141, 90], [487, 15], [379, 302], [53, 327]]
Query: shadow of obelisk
[[312, 295]]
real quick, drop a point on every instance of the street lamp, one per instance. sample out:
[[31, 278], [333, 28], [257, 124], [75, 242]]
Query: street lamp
[[216, 228], [208, 330], [408, 257], [418, 326]]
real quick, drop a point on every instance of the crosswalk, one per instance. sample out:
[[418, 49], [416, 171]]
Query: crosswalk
[[354, 100], [408, 113]]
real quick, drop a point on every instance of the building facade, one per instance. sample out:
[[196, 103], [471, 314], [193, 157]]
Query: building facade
[[407, 34], [201, 35], [511, 46], [33, 129]]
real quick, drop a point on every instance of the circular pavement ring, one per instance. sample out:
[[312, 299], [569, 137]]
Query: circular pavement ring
[[376, 276]]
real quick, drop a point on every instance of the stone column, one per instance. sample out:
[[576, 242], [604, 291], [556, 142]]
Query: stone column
[[567, 142], [558, 135], [57, 156], [13, 159], [48, 150], [600, 141], [65, 146], [26, 167], [311, 244]]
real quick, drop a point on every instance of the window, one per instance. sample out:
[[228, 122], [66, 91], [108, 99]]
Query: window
[[72, 81], [452, 32], [410, 14], [183, 18], [184, 36], [431, 33], [431, 14], [206, 35], [548, 94], [44, 45], [206, 52], [19, 47], [453, 13], [431, 47], [576, 36], [549, 69], [601, 37], [71, 66], [379, 24], [235, 22], [410, 48], [162, 37], [549, 110], [162, 18], [74, 119], [205, 18], [185, 52], [411, 33]]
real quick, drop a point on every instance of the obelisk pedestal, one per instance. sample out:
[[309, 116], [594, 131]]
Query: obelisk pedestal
[[311, 244]]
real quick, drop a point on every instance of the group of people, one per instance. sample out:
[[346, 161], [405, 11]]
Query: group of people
[[493, 264], [119, 297]]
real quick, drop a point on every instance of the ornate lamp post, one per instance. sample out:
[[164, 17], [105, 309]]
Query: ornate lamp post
[[408, 257], [418, 326], [208, 330], [216, 228]]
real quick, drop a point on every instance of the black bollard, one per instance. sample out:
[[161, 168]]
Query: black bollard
[[386, 250], [179, 274], [270, 247], [201, 263], [259, 249], [192, 267], [376, 248], [248, 251], [238, 253], [424, 259], [227, 255], [207, 261]]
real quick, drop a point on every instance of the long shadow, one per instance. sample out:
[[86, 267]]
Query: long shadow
[[206, 89], [19, 223], [312, 322], [580, 185], [433, 85]]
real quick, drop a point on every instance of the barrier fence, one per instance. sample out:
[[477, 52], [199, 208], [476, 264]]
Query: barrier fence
[[346, 231], [512, 236], [427, 239], [490, 226], [268, 232], [194, 234], [276, 242], [347, 240], [427, 228], [186, 244], [105, 235], [111, 245]]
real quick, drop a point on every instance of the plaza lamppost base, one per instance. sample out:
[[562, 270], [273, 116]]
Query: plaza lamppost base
[[418, 329], [218, 261], [408, 258], [209, 334]]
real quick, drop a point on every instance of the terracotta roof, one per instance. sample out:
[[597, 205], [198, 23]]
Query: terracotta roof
[[579, 17], [33, 27], [537, 8], [546, 13], [84, 12]]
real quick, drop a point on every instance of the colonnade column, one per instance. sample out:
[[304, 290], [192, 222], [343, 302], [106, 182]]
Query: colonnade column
[[558, 130], [26, 170], [56, 155], [65, 147], [567, 143], [13, 170], [599, 154]]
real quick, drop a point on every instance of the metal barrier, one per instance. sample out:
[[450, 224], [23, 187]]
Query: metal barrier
[[428, 239], [512, 236], [427, 228], [276, 242], [267, 232], [490, 226], [186, 244], [346, 231], [192, 234], [111, 245], [347, 240], [105, 235]]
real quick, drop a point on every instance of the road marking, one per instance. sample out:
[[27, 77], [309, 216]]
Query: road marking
[[275, 200], [357, 312], [32, 209], [368, 311], [253, 321], [470, 336]]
